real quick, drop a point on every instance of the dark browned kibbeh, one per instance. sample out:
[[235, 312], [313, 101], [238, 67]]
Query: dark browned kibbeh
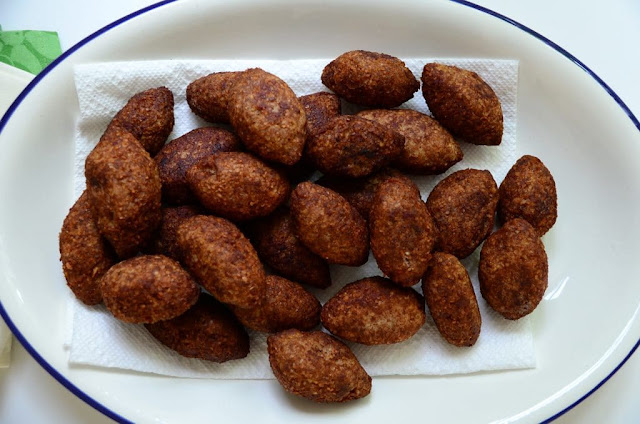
[[316, 366], [148, 289], [208, 96], [84, 253], [206, 331], [370, 79]]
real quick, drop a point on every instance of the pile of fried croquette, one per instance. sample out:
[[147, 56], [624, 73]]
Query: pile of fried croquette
[[220, 229]]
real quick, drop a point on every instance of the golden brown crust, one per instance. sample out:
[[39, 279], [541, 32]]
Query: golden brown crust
[[428, 148], [451, 300], [316, 366], [268, 116], [147, 289], [206, 331], [237, 186], [286, 305], [124, 190], [360, 191], [513, 269], [370, 79], [328, 225], [374, 311], [353, 147], [223, 260], [463, 103], [148, 116], [402, 231], [320, 108], [85, 255], [165, 241], [529, 192], [463, 206], [180, 154], [277, 245], [208, 96]]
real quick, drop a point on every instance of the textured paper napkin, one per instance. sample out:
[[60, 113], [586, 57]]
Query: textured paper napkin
[[98, 339]]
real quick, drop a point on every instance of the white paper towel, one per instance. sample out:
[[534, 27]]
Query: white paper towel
[[100, 340]]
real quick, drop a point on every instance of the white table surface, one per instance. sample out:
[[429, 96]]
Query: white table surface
[[604, 35]]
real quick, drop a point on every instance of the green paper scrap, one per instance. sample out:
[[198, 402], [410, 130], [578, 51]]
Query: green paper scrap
[[30, 51]]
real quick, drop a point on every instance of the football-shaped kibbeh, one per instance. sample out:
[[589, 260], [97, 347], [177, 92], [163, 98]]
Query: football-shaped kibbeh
[[316, 366], [180, 154], [529, 192], [84, 253], [402, 231], [513, 269], [353, 147], [206, 331], [286, 305], [278, 246], [463, 103], [374, 311], [125, 199], [328, 225], [451, 300], [428, 147], [223, 260], [148, 289], [267, 116], [237, 186], [463, 206], [148, 116], [208, 96], [370, 79]]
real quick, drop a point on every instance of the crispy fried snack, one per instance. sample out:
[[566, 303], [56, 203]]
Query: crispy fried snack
[[316, 366], [208, 96], [124, 190], [370, 79], [374, 311], [207, 331], [84, 253], [148, 289]]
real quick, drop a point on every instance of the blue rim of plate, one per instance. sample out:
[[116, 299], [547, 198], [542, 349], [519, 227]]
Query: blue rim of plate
[[111, 414]]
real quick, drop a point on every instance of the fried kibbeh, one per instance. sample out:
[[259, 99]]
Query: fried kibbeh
[[463, 103], [463, 206], [402, 231], [206, 331], [286, 305], [84, 253], [353, 147], [278, 246], [223, 260], [529, 192], [451, 300], [124, 190], [513, 269], [360, 191], [267, 116], [237, 186], [328, 225], [148, 289], [180, 154], [370, 79], [320, 108], [374, 311], [149, 117], [208, 96], [165, 241], [316, 366], [428, 148]]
